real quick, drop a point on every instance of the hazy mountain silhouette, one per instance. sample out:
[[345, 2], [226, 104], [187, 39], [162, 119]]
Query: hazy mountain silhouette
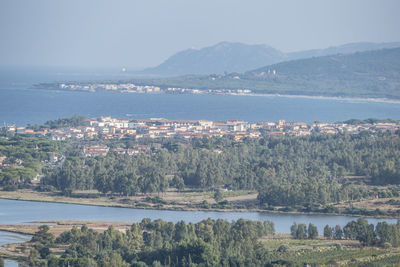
[[226, 57]]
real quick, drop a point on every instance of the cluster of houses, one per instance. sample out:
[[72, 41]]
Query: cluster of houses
[[208, 91], [133, 88], [112, 128], [121, 87], [4, 165], [102, 150]]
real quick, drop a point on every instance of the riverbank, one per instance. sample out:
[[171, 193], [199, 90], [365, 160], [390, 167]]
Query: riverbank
[[20, 251], [234, 201], [58, 227]]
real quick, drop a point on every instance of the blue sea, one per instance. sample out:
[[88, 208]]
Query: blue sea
[[21, 105]]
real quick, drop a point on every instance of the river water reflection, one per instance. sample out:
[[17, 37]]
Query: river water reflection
[[16, 212]]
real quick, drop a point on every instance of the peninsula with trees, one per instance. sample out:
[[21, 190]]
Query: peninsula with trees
[[343, 72]]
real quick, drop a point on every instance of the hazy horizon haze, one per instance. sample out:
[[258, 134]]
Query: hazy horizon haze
[[138, 34]]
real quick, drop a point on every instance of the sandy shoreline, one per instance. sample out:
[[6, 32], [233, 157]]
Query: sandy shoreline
[[339, 98]]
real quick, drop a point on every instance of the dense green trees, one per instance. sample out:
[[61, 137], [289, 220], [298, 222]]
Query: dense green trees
[[74, 121], [206, 243], [24, 157], [382, 235], [337, 232], [305, 172], [300, 231], [288, 171], [159, 243], [328, 232]]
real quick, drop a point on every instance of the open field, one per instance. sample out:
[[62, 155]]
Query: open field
[[384, 204], [325, 252]]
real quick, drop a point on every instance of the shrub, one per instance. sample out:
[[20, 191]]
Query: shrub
[[283, 248]]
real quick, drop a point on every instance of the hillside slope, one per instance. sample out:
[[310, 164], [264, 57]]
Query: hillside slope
[[367, 74], [341, 49], [227, 57], [220, 58]]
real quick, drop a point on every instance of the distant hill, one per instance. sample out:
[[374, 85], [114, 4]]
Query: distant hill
[[374, 74], [220, 58], [367, 74], [384, 62], [342, 49], [237, 57]]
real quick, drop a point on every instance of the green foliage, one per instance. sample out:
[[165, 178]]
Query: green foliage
[[43, 236], [298, 231], [74, 121], [218, 196], [337, 232], [286, 171], [384, 235], [328, 232], [213, 243], [283, 248], [312, 231], [159, 243], [26, 154]]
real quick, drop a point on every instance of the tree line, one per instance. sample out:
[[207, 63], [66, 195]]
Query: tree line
[[206, 243], [157, 243], [383, 235], [285, 171]]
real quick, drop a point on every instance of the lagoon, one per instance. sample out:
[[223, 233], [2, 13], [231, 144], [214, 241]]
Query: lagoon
[[17, 212]]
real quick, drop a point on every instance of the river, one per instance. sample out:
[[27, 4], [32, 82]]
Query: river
[[19, 212]]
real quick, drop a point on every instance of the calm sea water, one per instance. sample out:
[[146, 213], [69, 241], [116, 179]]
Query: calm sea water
[[23, 107]]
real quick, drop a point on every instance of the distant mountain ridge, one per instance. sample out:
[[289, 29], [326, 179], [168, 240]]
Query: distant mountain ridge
[[368, 74], [342, 49], [383, 62], [220, 58], [227, 57]]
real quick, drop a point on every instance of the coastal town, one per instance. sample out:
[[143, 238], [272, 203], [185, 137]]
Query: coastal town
[[155, 128], [128, 87], [93, 134]]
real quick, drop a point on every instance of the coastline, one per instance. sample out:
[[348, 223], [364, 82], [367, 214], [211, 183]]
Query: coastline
[[338, 98], [321, 97]]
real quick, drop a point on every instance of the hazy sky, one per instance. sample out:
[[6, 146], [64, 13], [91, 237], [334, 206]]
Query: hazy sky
[[131, 33]]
